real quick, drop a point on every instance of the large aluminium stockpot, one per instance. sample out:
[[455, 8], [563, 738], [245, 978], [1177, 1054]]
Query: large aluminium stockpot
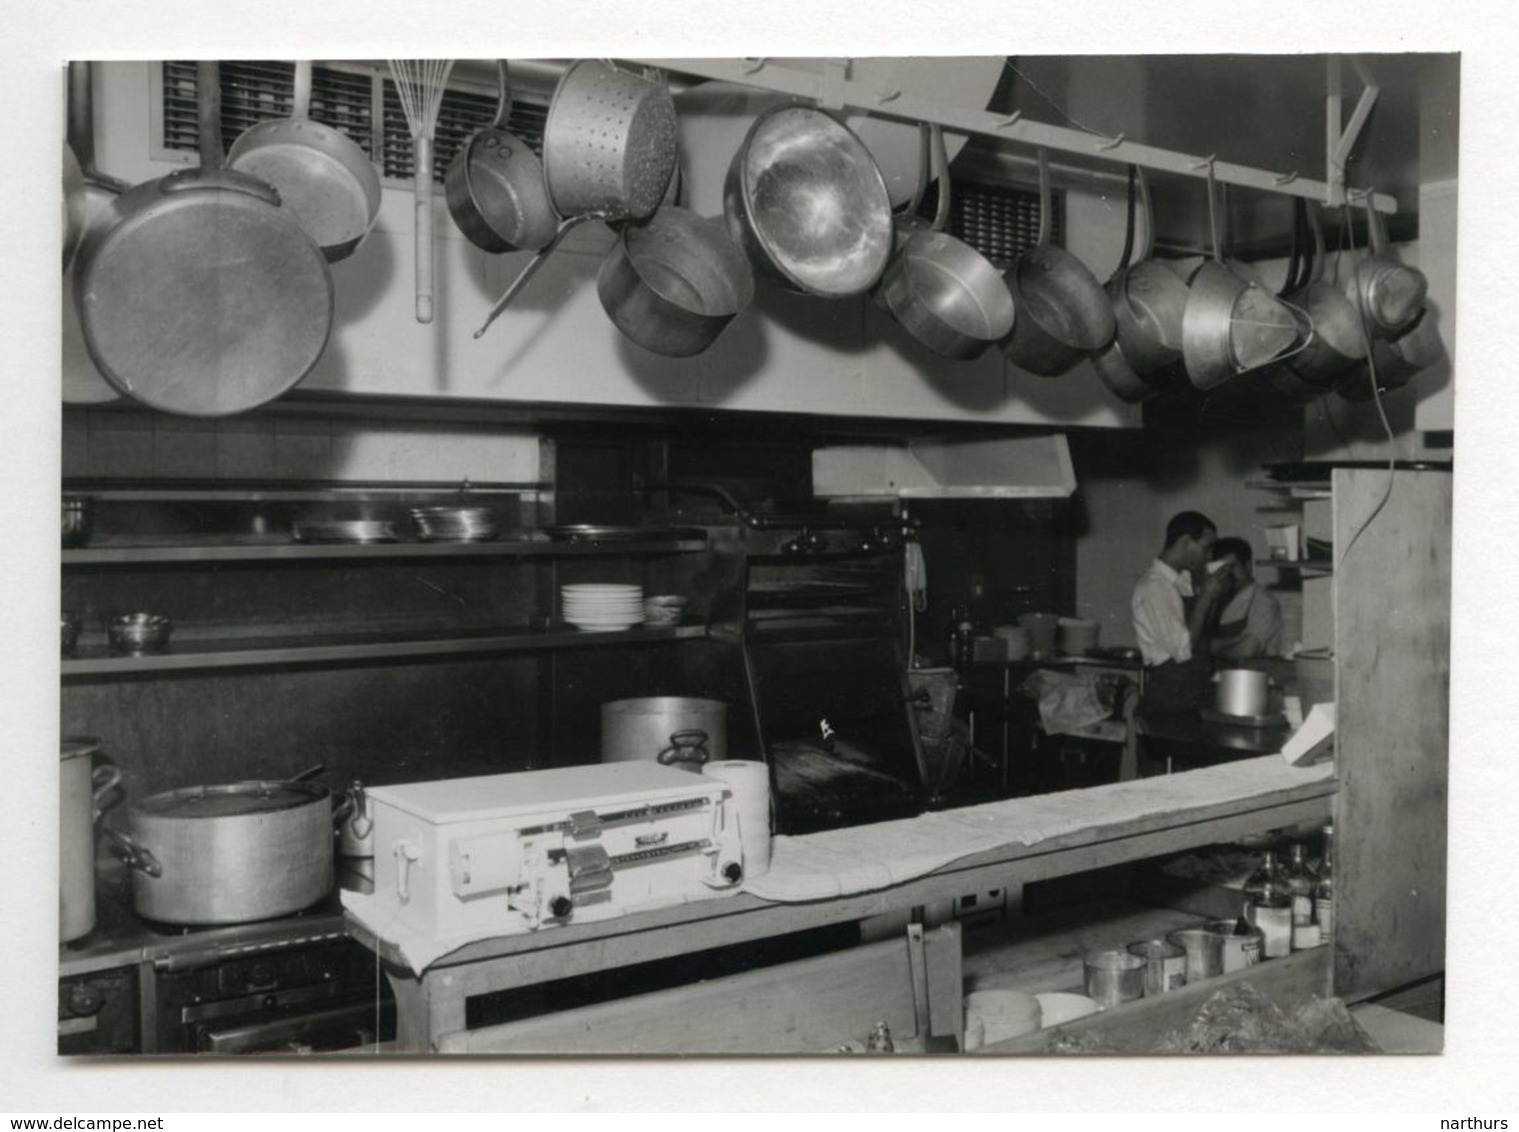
[[231, 854], [678, 731]]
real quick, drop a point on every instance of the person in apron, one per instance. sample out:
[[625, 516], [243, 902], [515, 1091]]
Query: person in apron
[[1175, 615], [1250, 625]]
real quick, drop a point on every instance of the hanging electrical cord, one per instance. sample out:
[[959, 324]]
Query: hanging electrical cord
[[1376, 388]]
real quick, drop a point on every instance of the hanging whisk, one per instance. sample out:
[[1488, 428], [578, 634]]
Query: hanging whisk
[[420, 84]]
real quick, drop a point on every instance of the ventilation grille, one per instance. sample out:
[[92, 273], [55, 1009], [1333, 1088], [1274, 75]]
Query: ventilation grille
[[350, 99], [999, 222]]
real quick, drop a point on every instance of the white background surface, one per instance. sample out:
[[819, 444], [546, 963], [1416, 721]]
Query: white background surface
[[1475, 1077]]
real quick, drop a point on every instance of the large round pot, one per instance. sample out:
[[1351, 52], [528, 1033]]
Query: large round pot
[[231, 854], [675, 730], [673, 283], [205, 297], [82, 790], [806, 202]]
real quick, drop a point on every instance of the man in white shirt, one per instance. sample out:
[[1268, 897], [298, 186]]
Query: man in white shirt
[[1173, 615]]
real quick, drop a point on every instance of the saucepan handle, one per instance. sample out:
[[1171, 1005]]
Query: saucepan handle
[[686, 746], [135, 855]]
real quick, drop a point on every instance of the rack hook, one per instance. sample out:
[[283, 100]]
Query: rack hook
[[754, 63], [885, 96], [1205, 163], [1286, 178], [1111, 143], [1011, 120]]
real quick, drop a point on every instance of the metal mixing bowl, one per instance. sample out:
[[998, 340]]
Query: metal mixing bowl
[[138, 633], [806, 202]]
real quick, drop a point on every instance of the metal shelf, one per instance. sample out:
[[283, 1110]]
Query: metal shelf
[[268, 652], [132, 554]]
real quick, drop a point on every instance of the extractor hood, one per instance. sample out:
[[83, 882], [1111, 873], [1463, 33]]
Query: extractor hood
[[1027, 466]]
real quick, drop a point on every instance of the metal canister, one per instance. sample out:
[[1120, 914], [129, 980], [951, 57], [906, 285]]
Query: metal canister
[[83, 787], [1165, 964], [1114, 977], [1205, 952], [1240, 949]]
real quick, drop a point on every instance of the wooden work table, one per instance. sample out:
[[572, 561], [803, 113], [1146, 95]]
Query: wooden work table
[[1247, 798]]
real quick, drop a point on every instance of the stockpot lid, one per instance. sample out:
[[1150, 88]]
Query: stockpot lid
[[232, 800], [78, 746]]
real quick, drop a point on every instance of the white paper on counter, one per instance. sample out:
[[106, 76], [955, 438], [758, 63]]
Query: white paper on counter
[[422, 949], [867, 858]]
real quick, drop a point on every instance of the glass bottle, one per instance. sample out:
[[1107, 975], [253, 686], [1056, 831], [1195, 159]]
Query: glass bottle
[[1301, 882], [1323, 891], [1268, 906]]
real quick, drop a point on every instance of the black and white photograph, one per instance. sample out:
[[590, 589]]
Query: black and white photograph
[[631, 558]]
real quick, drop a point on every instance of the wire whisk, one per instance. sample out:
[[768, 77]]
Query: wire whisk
[[420, 84]]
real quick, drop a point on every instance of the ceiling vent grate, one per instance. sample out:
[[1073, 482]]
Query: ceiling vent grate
[[347, 98], [1000, 221]]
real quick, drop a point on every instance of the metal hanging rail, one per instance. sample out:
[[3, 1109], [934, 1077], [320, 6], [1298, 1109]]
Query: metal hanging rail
[[832, 89]]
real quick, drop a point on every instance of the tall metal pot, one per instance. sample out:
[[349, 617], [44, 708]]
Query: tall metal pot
[[82, 791], [675, 730]]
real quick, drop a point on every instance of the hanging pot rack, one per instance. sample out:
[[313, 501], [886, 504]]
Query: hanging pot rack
[[832, 89]]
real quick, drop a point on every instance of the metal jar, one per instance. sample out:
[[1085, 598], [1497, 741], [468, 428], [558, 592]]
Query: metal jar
[[231, 854], [675, 730], [82, 789]]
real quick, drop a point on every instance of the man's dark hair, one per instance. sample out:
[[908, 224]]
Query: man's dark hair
[[1191, 523], [1233, 548]]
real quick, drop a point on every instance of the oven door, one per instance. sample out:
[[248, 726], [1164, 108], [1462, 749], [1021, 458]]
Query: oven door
[[344, 1026]]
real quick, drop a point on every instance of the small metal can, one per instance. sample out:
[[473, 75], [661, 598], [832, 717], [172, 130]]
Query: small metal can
[[1114, 977], [1165, 965]]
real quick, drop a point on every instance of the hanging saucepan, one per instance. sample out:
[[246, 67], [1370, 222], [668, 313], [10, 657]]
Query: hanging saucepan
[[806, 202], [1148, 302], [610, 148], [1337, 343], [672, 283], [206, 297], [1394, 364], [1388, 292], [1233, 323], [232, 854], [1063, 312], [905, 220], [495, 187], [324, 177], [93, 202], [944, 292]]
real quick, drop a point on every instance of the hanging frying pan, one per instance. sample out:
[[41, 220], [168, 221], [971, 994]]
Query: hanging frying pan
[[206, 298], [92, 200], [1148, 301], [495, 187], [324, 177], [944, 292], [1063, 312]]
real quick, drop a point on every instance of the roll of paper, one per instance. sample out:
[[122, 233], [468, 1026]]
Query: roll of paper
[[749, 782]]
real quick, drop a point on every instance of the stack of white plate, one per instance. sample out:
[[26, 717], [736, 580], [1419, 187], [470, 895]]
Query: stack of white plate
[[602, 607]]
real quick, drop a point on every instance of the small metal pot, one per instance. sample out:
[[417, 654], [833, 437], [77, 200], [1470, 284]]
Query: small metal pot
[[1165, 965], [495, 187], [674, 283], [1242, 692], [1204, 950]]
